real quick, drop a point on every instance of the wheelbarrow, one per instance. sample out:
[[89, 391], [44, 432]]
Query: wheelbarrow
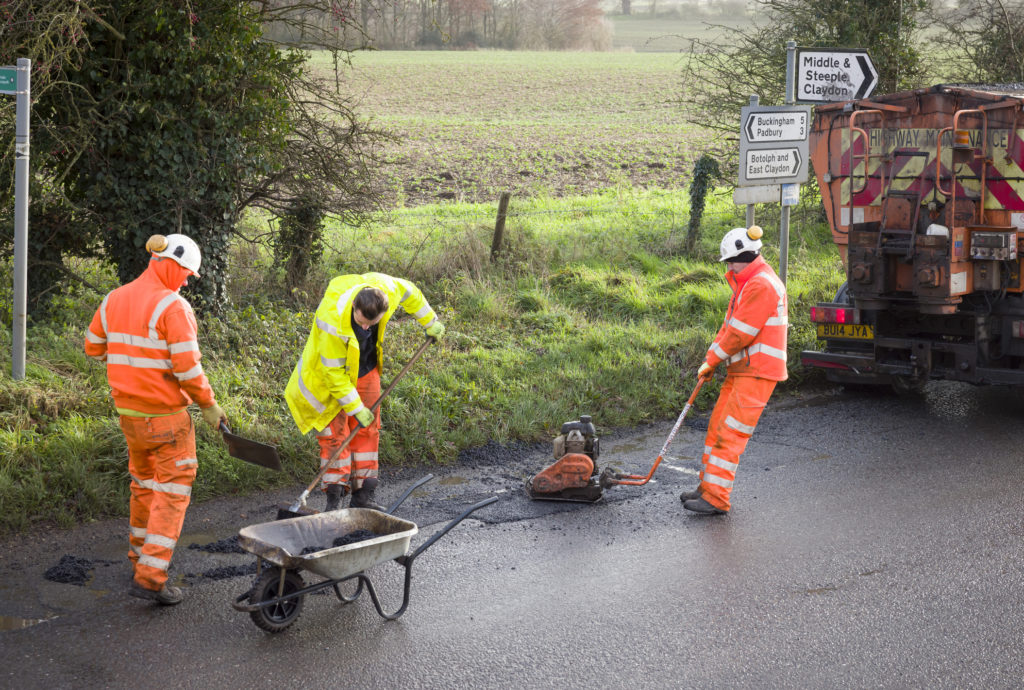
[[284, 548]]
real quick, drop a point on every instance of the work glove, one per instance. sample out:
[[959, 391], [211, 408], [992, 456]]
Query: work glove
[[435, 330], [214, 415], [705, 371], [365, 417]]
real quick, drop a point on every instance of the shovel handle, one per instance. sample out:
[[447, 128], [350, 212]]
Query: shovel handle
[[639, 479], [373, 408]]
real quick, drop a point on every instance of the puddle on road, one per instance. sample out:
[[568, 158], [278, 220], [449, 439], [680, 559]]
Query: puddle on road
[[12, 623], [451, 481]]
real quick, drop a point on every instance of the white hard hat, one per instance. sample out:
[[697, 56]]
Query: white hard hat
[[739, 240], [182, 249]]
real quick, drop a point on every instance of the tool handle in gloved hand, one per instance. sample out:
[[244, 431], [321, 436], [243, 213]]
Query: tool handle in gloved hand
[[373, 408]]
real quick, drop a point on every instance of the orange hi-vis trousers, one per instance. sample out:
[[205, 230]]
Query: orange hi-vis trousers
[[359, 460], [739, 406], [162, 464]]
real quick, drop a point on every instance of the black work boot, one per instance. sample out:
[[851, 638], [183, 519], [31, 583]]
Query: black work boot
[[165, 596], [335, 492], [702, 507], [689, 495], [363, 496]]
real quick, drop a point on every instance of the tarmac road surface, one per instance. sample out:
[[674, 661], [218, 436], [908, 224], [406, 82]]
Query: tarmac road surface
[[874, 541]]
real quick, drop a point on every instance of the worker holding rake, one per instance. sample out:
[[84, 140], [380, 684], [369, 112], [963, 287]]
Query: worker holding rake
[[752, 341], [145, 333], [337, 379]]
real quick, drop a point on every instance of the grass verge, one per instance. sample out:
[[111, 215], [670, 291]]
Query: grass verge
[[588, 308]]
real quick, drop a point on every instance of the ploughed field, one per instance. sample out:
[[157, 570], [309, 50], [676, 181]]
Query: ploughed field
[[474, 124]]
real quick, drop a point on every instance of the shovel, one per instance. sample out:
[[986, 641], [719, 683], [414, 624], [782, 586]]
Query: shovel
[[251, 451], [299, 507]]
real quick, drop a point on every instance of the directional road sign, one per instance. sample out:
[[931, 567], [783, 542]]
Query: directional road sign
[[777, 125], [773, 144], [827, 75], [8, 80], [772, 164]]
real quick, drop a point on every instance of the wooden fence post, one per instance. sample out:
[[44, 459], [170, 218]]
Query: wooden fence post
[[499, 225]]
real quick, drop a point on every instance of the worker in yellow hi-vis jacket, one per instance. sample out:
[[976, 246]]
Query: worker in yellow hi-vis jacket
[[337, 378]]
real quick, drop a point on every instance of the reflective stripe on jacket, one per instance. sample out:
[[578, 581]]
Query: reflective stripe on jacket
[[753, 337], [146, 334], [323, 382]]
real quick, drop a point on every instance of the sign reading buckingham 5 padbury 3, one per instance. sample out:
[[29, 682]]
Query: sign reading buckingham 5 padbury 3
[[773, 144]]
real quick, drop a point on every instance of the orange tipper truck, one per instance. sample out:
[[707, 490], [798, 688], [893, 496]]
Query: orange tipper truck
[[924, 192]]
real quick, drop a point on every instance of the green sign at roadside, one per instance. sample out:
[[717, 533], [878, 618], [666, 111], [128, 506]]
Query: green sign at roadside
[[8, 80]]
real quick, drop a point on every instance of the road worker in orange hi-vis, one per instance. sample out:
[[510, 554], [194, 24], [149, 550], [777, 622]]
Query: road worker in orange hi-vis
[[145, 332], [752, 342], [337, 378]]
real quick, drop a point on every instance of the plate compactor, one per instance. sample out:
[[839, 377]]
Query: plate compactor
[[574, 475]]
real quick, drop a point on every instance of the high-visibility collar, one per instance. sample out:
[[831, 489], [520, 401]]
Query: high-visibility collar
[[738, 280], [169, 273]]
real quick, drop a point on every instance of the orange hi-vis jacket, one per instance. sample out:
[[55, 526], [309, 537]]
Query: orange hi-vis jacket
[[146, 333], [753, 337]]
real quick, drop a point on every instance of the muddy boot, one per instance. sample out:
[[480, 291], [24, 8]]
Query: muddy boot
[[166, 596], [689, 495], [363, 497], [335, 492]]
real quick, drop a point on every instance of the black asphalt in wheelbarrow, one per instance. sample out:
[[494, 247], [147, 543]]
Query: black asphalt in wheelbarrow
[[275, 600]]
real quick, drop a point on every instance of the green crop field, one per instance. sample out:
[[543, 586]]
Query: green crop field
[[474, 124]]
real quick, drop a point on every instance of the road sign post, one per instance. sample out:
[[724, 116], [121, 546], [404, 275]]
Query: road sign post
[[21, 91], [774, 156]]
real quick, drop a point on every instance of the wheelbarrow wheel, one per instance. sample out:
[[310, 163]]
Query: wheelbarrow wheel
[[276, 617]]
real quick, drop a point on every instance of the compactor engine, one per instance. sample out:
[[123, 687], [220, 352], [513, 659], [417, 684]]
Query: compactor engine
[[924, 191]]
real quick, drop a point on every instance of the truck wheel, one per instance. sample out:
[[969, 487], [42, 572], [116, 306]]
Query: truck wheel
[[276, 617]]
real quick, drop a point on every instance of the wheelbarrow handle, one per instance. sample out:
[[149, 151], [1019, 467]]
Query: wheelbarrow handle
[[421, 482], [443, 531]]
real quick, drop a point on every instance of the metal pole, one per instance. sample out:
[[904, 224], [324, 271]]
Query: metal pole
[[22, 104], [755, 100], [790, 72], [784, 215]]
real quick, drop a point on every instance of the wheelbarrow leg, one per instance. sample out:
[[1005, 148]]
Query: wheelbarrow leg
[[342, 597], [376, 602], [407, 561]]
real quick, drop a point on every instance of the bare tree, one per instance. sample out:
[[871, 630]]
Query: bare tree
[[986, 38]]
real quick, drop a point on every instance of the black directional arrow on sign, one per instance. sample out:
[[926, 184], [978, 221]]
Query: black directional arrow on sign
[[870, 76]]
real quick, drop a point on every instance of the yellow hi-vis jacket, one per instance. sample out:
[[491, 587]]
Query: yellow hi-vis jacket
[[323, 383]]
